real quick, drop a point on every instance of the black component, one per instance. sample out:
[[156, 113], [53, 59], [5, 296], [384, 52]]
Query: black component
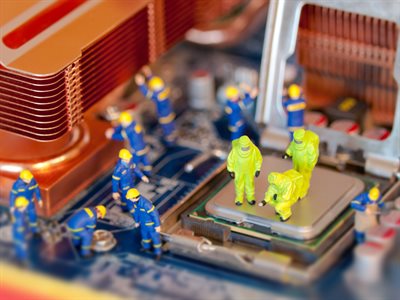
[[257, 173], [232, 174], [282, 220], [285, 156], [37, 235], [346, 108], [238, 203], [207, 228], [252, 202]]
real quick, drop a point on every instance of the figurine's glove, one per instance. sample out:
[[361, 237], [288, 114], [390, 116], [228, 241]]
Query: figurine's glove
[[232, 174], [257, 173], [117, 198], [285, 156], [137, 225], [139, 79], [262, 203]]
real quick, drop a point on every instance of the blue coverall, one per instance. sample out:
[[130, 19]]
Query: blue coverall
[[295, 110], [123, 179], [236, 120], [21, 189], [134, 134], [82, 225], [166, 115], [19, 232], [360, 204], [145, 213]]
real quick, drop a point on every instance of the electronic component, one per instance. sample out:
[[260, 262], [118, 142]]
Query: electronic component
[[310, 215]]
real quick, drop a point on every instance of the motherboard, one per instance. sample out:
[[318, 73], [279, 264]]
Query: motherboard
[[212, 247]]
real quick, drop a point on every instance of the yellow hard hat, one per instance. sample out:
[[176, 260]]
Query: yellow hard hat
[[125, 154], [231, 92], [156, 83], [102, 210], [244, 141], [373, 194], [298, 134], [26, 175], [294, 91], [21, 202], [132, 193], [125, 117]]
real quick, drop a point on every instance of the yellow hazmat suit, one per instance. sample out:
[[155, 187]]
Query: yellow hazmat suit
[[304, 152], [283, 191], [244, 162]]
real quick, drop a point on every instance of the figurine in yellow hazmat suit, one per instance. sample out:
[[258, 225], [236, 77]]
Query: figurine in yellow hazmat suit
[[304, 152], [244, 162], [284, 190]]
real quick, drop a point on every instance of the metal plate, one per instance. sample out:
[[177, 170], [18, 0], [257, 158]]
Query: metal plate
[[330, 192]]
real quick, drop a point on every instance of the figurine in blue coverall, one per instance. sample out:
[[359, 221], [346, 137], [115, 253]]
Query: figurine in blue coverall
[[124, 177], [156, 90], [235, 105], [26, 186], [82, 225], [147, 218], [367, 207], [20, 229], [295, 106], [129, 129]]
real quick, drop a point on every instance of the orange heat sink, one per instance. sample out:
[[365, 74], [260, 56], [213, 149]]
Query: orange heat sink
[[58, 58], [349, 54]]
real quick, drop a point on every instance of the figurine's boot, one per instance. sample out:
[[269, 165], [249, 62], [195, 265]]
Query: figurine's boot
[[146, 244], [239, 189], [284, 212], [249, 188]]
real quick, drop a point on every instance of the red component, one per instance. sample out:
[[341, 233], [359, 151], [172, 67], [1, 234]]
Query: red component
[[389, 233]]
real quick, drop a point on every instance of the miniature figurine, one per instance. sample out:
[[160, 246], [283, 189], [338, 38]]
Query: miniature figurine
[[132, 131], [244, 162], [156, 91], [20, 228], [124, 177], [81, 225], [295, 106], [26, 186], [147, 218], [304, 152], [284, 190], [366, 206], [234, 105]]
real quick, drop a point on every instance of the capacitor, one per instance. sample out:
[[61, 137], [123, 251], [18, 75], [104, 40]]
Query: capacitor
[[348, 126], [201, 90], [315, 118], [381, 235], [246, 75], [369, 261], [376, 133], [397, 203], [391, 220]]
